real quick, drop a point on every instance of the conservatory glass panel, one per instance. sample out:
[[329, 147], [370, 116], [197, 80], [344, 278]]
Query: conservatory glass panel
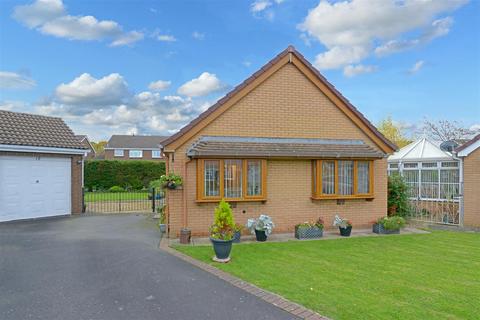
[[328, 177], [233, 178], [449, 184], [345, 177], [429, 187], [411, 179], [212, 178]]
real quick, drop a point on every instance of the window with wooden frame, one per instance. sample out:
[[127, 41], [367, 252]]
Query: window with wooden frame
[[342, 179], [231, 179]]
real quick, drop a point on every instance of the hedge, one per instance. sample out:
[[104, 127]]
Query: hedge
[[135, 174]]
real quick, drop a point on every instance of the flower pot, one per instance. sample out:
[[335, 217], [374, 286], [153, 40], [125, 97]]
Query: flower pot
[[222, 248], [378, 228], [260, 235], [308, 232], [345, 232], [171, 185], [163, 227], [236, 237]]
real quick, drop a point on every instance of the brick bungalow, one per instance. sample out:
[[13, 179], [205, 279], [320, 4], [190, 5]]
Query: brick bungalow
[[469, 153], [285, 143]]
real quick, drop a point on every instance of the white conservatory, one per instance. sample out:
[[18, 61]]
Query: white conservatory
[[434, 176]]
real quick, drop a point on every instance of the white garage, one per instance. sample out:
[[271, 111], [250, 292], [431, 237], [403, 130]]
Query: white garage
[[40, 167]]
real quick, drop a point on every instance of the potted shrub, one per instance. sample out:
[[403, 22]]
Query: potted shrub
[[344, 225], [171, 181], [262, 227], [309, 230], [162, 219], [222, 231], [237, 233], [388, 225]]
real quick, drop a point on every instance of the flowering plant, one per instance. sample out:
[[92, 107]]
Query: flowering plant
[[391, 223], [319, 224], [341, 223], [262, 223]]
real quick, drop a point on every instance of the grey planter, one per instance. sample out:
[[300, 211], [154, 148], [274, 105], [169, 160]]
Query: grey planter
[[308, 233], [222, 248], [378, 228], [163, 227]]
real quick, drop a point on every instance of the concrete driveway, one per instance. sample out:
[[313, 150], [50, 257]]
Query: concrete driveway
[[109, 267]]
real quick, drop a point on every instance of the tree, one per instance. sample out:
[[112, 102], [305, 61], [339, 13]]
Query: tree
[[99, 146], [393, 132], [445, 130]]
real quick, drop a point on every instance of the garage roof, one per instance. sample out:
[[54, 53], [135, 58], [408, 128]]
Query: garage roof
[[24, 129], [221, 146]]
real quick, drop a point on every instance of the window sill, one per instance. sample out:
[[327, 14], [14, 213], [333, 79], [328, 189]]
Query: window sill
[[229, 200], [366, 197]]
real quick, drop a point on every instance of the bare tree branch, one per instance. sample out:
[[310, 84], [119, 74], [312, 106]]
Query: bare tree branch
[[445, 130]]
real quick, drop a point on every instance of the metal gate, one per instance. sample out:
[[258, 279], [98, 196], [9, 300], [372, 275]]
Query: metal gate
[[133, 201]]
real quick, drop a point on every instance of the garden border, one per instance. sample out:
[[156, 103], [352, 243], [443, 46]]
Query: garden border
[[267, 296]]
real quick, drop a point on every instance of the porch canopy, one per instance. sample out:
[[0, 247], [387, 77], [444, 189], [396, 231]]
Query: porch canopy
[[256, 147]]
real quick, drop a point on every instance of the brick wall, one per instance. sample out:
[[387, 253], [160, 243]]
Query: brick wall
[[147, 155], [76, 174], [471, 185], [286, 105]]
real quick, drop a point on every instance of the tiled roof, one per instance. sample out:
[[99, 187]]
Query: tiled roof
[[467, 144], [265, 68], [25, 129], [135, 142], [215, 146]]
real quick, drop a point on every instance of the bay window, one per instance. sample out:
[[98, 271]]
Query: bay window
[[231, 179], [342, 179]]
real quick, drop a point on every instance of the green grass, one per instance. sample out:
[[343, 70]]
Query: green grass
[[427, 276], [114, 196]]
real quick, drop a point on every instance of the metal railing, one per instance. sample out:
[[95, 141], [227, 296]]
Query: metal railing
[[131, 201]]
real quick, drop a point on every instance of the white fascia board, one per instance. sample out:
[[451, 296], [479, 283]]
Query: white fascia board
[[123, 148], [35, 149], [465, 152]]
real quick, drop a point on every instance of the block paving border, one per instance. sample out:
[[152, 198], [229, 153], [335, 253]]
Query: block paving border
[[267, 296]]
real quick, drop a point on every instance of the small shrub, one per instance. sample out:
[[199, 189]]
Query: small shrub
[[397, 196], [262, 223], [223, 228], [341, 223], [116, 189], [392, 223]]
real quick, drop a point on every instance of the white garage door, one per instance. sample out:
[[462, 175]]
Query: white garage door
[[33, 187]]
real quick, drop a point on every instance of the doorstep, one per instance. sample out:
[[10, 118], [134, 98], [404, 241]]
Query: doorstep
[[283, 237]]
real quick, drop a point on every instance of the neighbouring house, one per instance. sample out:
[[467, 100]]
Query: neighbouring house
[[469, 153], [285, 143], [91, 154], [444, 180], [41, 167], [133, 147]]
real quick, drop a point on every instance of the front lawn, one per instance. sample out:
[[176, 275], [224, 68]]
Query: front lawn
[[115, 196], [427, 276]]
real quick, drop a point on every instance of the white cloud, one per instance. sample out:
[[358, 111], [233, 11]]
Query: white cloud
[[39, 12], [198, 35], [475, 127], [127, 38], [205, 84], [51, 18], [86, 90], [247, 63], [159, 85], [438, 28], [260, 5], [354, 70], [11, 105], [350, 29], [416, 67], [12, 80], [166, 38]]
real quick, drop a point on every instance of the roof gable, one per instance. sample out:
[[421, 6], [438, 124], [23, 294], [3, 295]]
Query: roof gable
[[289, 55], [467, 148]]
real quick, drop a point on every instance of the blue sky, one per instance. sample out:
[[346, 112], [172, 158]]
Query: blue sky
[[93, 63]]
